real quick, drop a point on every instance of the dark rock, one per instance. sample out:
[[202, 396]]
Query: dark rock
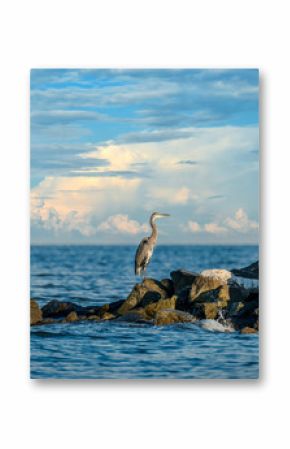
[[35, 312], [247, 316], [100, 310], [219, 295], [169, 286], [114, 306], [207, 310], [244, 307], [89, 311], [253, 295], [249, 272], [103, 309], [249, 321], [239, 293], [182, 280], [59, 309], [249, 309], [235, 307]]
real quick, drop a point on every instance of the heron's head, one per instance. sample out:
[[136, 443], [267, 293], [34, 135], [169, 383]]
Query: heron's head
[[156, 215]]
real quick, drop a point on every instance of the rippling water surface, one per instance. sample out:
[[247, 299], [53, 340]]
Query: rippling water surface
[[98, 274]]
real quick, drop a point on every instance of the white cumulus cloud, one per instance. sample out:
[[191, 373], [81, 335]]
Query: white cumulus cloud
[[122, 224], [214, 228], [192, 226], [74, 204], [241, 222]]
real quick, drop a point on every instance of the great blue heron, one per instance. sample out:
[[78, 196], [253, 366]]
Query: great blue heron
[[145, 249]]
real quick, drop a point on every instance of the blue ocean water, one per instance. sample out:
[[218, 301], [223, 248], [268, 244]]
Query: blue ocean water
[[90, 275]]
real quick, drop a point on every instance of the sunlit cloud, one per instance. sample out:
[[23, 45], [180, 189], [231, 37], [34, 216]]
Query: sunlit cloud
[[214, 228], [122, 224], [241, 222], [78, 203], [108, 147], [192, 226], [175, 154], [171, 195]]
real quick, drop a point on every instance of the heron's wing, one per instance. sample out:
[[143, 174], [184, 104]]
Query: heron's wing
[[143, 254]]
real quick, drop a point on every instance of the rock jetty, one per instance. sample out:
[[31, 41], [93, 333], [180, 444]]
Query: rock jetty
[[186, 297]]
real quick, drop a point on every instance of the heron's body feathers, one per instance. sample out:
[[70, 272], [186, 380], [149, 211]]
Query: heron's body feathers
[[143, 255], [145, 249]]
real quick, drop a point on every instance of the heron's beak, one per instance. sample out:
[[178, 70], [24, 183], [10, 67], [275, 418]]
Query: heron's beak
[[164, 215]]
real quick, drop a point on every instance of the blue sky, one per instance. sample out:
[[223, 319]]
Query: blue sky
[[108, 147]]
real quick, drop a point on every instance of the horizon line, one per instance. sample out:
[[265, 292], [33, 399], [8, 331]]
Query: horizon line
[[133, 244]]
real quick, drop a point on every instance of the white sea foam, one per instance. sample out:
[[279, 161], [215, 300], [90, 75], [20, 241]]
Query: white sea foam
[[215, 326]]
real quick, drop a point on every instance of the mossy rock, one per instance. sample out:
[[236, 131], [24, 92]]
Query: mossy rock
[[72, 316], [142, 294], [204, 284], [206, 310], [94, 318], [137, 315], [107, 316], [171, 316], [35, 312], [248, 330], [223, 296], [154, 307], [48, 321], [132, 300], [210, 311]]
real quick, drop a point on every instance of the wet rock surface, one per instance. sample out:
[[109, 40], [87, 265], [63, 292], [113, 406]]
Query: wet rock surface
[[211, 296], [35, 312], [249, 272], [72, 316]]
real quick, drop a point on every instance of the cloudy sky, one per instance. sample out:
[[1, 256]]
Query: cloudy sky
[[108, 147]]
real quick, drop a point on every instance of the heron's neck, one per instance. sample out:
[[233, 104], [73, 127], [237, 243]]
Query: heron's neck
[[153, 236]]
